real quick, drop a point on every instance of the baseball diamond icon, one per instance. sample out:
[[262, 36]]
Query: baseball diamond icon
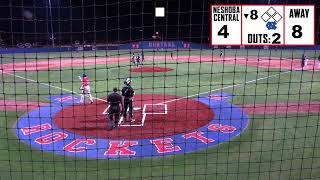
[[271, 15]]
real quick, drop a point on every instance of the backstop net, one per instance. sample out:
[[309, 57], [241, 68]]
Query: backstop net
[[125, 89]]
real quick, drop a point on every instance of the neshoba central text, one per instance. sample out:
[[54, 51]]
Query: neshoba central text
[[226, 9]]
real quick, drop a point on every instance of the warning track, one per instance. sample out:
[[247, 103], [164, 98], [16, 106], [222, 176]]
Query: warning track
[[262, 62]]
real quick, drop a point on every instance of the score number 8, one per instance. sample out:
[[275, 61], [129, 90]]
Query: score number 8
[[296, 31]]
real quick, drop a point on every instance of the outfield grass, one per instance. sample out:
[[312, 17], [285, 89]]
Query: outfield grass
[[273, 147], [279, 146]]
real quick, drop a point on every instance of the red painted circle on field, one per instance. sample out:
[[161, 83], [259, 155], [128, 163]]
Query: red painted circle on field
[[150, 69], [159, 120]]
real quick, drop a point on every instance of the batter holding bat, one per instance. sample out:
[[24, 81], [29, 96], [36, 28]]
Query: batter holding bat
[[85, 88]]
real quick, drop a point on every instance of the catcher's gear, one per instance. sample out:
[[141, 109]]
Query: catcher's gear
[[114, 112]]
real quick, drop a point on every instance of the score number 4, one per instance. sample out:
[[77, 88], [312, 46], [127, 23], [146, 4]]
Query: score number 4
[[223, 31]]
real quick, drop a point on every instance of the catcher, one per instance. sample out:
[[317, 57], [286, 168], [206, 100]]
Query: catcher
[[114, 100], [85, 88]]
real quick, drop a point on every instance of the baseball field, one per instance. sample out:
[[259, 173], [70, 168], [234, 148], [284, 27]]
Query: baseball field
[[281, 140]]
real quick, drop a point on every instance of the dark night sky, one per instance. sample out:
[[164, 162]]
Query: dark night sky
[[100, 21]]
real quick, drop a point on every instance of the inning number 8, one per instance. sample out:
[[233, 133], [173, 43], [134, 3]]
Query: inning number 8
[[254, 14], [296, 31]]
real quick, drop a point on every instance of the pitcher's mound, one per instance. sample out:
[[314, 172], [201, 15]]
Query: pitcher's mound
[[150, 69]]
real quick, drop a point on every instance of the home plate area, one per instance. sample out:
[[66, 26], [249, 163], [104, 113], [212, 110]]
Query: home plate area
[[148, 109], [153, 118]]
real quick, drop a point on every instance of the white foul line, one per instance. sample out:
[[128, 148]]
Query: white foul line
[[49, 85], [162, 103], [227, 87]]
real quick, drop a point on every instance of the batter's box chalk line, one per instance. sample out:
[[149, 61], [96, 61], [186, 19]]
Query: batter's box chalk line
[[147, 109]]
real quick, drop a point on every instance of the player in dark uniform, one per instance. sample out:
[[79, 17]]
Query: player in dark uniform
[[138, 60], [142, 57], [128, 93], [319, 60], [171, 54], [114, 100], [303, 60], [221, 53]]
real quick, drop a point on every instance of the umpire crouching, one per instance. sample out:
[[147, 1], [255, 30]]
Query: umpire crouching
[[128, 93], [114, 101]]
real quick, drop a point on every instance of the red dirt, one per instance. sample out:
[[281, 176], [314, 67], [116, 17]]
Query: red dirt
[[150, 69], [14, 105], [278, 108], [263, 62], [184, 115]]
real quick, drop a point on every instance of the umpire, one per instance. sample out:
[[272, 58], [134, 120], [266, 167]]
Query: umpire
[[114, 100], [128, 93]]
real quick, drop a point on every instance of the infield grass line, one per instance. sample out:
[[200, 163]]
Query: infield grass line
[[227, 87], [49, 85], [165, 102]]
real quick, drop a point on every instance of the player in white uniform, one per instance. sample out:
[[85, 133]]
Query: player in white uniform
[[304, 61], [133, 59], [85, 87]]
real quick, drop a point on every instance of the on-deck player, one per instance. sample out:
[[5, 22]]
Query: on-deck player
[[85, 87]]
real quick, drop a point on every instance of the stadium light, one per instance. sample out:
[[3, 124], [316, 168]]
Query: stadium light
[[51, 25], [160, 13]]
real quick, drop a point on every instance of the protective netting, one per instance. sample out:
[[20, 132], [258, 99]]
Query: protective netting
[[198, 112]]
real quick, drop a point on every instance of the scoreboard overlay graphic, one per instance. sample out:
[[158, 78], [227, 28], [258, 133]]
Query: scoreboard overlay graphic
[[38, 129], [263, 25]]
